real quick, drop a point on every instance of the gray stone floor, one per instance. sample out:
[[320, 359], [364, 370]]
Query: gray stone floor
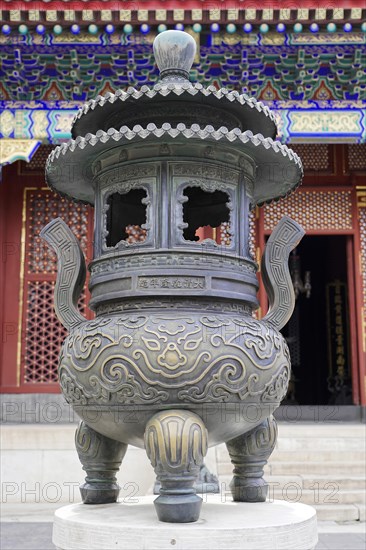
[[26, 536], [341, 541], [37, 536]]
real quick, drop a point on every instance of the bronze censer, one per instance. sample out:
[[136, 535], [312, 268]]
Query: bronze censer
[[174, 361]]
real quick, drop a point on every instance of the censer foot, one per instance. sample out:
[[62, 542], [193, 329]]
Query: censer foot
[[178, 509], [99, 493], [249, 454], [176, 444], [206, 482], [101, 458]]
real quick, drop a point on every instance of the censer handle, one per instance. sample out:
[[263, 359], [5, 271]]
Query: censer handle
[[71, 271], [275, 272]]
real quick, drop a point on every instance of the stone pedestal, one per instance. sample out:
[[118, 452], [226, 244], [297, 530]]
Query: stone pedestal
[[134, 526]]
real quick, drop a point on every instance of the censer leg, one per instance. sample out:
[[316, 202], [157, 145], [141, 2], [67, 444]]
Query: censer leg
[[176, 444], [249, 454], [101, 458]]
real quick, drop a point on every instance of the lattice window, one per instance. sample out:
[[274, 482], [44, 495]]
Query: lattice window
[[317, 211], [252, 235], [42, 207], [225, 234], [38, 161], [42, 333], [357, 156], [314, 157]]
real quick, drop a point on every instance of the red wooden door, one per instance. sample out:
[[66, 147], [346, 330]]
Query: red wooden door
[[33, 335]]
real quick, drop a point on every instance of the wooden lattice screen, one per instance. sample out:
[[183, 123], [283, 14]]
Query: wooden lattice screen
[[316, 210], [42, 334]]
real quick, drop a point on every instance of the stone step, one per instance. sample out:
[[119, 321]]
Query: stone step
[[325, 512], [319, 456], [321, 444], [293, 492], [331, 496], [307, 456], [342, 482], [311, 482], [303, 468], [315, 469], [340, 512], [318, 430], [331, 447]]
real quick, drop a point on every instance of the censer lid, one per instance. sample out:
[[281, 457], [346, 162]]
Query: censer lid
[[278, 168], [186, 117], [174, 99]]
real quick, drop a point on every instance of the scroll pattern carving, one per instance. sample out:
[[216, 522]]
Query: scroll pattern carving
[[71, 271], [74, 392], [176, 444], [258, 442], [165, 303], [87, 441], [191, 358], [209, 261], [176, 441], [206, 171], [101, 458], [120, 175], [276, 274]]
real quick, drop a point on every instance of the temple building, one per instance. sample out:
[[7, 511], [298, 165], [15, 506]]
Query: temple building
[[306, 64]]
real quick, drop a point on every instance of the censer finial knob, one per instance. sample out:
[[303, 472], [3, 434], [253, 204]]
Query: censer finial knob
[[174, 54]]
